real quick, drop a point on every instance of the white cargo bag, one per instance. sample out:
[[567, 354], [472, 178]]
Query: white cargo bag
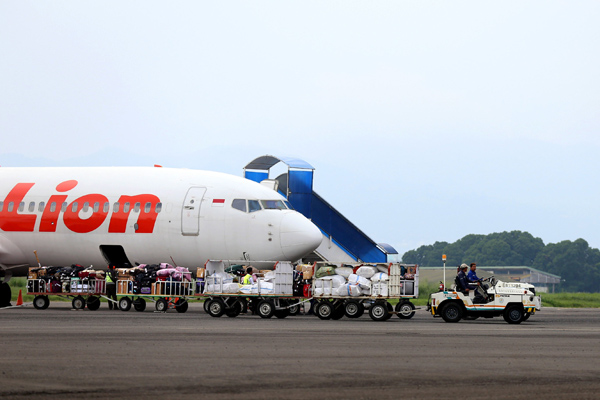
[[360, 281], [380, 277], [343, 271], [348, 290], [366, 271]]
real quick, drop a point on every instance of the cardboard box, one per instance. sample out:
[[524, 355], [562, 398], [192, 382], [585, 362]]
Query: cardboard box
[[201, 273], [32, 274]]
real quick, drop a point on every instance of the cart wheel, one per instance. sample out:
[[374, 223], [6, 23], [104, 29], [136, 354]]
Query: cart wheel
[[162, 305], [281, 314], [266, 309], [181, 306], [234, 310], [93, 303], [354, 309], [390, 309], [139, 304], [379, 312], [206, 305], [125, 304], [78, 303], [405, 310], [324, 309], [216, 308], [41, 302], [295, 309]]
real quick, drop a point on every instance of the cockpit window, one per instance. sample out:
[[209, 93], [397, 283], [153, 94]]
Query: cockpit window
[[239, 204], [253, 205], [273, 205]]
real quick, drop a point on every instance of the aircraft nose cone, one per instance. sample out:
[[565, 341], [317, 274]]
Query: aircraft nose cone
[[298, 236]]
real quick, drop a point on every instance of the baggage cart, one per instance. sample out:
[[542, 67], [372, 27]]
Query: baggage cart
[[83, 292], [164, 294], [402, 285]]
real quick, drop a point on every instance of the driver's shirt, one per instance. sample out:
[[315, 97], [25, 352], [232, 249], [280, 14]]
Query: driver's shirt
[[472, 276]]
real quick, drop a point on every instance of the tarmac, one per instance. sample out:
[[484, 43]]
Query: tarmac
[[61, 353]]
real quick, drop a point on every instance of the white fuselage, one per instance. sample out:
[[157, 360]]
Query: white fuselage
[[72, 215]]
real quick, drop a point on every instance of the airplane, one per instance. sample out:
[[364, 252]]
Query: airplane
[[128, 215]]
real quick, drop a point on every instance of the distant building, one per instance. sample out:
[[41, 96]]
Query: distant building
[[544, 282]]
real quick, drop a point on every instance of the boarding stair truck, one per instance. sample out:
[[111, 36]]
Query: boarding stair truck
[[334, 299], [514, 301], [84, 290], [270, 297]]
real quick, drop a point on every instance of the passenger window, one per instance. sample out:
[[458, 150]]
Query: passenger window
[[32, 206], [41, 206], [86, 206], [96, 207], [52, 207], [148, 207], [1, 205], [253, 205], [126, 207], [74, 207], [11, 206], [21, 206], [137, 207], [64, 207], [116, 207], [239, 204], [106, 207], [158, 208]]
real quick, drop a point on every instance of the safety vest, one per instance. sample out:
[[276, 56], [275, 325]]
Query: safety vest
[[247, 279], [109, 278]]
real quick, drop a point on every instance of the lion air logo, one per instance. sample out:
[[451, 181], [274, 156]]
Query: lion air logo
[[82, 215]]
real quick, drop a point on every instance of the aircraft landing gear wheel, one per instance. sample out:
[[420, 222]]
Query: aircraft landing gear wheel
[[324, 309], [124, 304], [78, 303], [379, 312], [266, 309], [451, 312], [161, 305], [181, 306], [93, 303], [41, 302], [139, 304], [354, 309], [513, 314], [405, 310], [5, 294]]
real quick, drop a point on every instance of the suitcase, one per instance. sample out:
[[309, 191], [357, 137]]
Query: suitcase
[[146, 290]]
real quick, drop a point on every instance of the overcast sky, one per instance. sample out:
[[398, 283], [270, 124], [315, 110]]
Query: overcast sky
[[425, 120]]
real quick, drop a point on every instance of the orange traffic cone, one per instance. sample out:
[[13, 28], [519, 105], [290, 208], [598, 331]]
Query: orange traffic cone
[[20, 299]]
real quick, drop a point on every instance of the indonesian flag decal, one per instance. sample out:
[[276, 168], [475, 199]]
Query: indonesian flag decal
[[218, 202]]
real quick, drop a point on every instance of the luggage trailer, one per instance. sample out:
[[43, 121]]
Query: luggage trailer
[[266, 299], [82, 291], [164, 294], [280, 301], [326, 305]]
